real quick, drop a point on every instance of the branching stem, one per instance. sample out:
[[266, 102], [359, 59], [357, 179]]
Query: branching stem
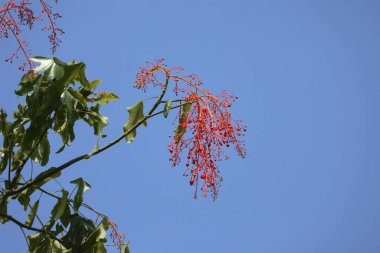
[[93, 153]]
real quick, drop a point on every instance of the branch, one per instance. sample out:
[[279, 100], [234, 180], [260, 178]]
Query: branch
[[93, 153], [160, 97]]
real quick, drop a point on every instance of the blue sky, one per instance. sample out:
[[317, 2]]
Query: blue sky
[[307, 77]]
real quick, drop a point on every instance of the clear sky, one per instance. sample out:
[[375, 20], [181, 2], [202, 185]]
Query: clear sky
[[308, 80]]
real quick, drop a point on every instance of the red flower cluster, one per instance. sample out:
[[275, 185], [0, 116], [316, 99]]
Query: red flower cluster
[[205, 127], [13, 16], [116, 237]]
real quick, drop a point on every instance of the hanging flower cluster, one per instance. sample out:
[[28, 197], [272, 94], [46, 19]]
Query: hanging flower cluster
[[14, 15], [116, 237], [205, 126]]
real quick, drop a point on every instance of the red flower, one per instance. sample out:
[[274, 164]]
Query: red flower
[[116, 237], [205, 126]]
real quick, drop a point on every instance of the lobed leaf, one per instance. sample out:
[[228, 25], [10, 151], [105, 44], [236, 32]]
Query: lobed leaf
[[60, 207], [136, 113], [32, 213], [82, 187]]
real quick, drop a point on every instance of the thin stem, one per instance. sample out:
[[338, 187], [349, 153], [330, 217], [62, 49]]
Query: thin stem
[[145, 99], [26, 239], [21, 46], [177, 100], [71, 193], [160, 97]]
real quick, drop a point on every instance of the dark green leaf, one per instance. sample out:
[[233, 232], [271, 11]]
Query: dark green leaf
[[44, 150], [104, 97], [60, 207], [80, 229], [34, 241], [32, 213], [96, 120], [24, 198], [4, 152], [82, 187], [65, 218], [126, 248], [3, 209], [97, 237], [27, 84], [41, 243], [78, 96]]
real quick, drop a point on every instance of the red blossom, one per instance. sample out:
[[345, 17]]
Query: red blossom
[[14, 15], [116, 237], [205, 126]]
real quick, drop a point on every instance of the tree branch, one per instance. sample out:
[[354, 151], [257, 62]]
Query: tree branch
[[93, 153]]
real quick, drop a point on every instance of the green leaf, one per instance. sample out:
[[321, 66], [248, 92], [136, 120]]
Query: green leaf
[[93, 84], [96, 120], [70, 103], [78, 96], [52, 66], [26, 83], [54, 174], [65, 127], [81, 76], [3, 209], [80, 229], [34, 241], [126, 248], [4, 158], [4, 155], [65, 218], [82, 187], [41, 243], [97, 237], [167, 107], [180, 130], [32, 213], [44, 150], [104, 97], [135, 115], [24, 198], [60, 207]]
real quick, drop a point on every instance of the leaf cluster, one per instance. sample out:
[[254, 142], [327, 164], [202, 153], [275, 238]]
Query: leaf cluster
[[57, 95]]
